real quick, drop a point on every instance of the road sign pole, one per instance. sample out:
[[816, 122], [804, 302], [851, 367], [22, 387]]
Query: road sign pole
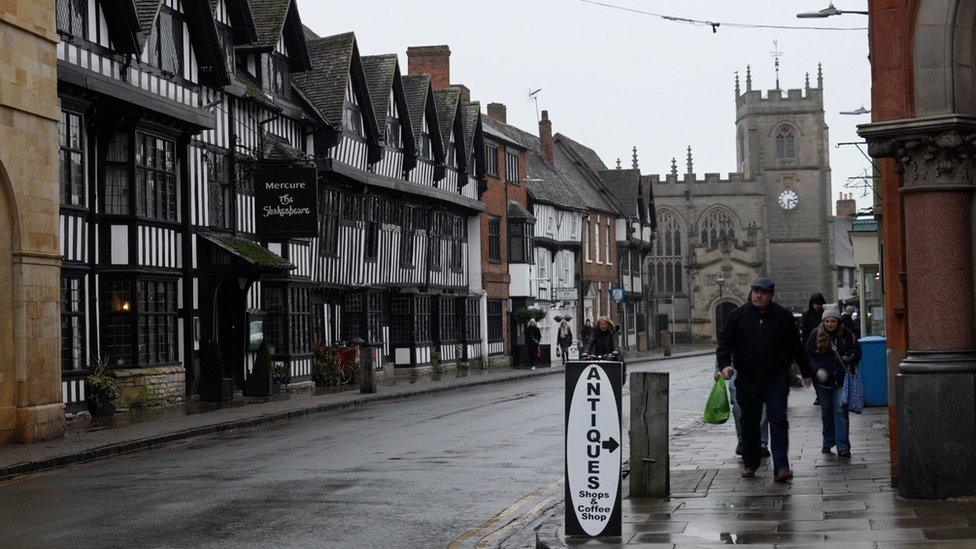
[[593, 452]]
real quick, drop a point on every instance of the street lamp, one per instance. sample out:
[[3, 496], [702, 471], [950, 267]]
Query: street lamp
[[827, 12], [721, 286]]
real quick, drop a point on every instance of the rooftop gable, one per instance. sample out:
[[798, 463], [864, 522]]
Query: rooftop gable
[[279, 19], [420, 105]]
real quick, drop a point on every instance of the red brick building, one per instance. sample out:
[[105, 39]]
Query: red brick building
[[923, 130]]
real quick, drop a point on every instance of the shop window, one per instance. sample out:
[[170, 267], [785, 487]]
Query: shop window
[[446, 318], [73, 336], [352, 315], [401, 329]]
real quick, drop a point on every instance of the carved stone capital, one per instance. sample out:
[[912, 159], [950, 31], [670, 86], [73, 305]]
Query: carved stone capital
[[928, 152]]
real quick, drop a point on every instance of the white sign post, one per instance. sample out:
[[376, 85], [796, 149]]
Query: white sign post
[[593, 453]]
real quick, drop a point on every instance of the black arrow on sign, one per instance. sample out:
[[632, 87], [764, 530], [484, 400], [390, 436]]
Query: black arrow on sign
[[610, 445]]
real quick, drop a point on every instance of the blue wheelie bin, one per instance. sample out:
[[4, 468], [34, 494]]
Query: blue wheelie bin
[[874, 370]]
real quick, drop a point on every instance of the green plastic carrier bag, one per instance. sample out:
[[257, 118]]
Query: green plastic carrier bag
[[717, 409]]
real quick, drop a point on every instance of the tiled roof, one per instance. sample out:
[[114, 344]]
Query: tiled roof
[[588, 155], [146, 11], [269, 20], [309, 34], [518, 211], [325, 84], [446, 101], [625, 185], [469, 118], [415, 89], [278, 148], [380, 70]]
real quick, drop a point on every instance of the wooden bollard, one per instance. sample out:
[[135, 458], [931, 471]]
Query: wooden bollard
[[650, 460]]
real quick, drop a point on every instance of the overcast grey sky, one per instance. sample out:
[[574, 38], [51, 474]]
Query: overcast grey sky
[[614, 80]]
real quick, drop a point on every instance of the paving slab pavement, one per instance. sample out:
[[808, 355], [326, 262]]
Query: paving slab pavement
[[832, 501]]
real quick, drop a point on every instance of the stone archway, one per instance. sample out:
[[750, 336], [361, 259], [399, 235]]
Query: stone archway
[[9, 234]]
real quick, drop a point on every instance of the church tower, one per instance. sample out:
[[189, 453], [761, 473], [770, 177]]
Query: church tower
[[782, 143]]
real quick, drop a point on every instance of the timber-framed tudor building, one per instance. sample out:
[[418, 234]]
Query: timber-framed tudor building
[[170, 110]]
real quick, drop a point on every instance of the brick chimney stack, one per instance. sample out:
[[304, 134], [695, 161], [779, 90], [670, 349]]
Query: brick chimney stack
[[432, 60], [545, 138], [465, 93], [846, 206], [498, 112]]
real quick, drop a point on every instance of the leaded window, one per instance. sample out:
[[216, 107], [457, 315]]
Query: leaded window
[[71, 160], [353, 307], [491, 158], [494, 239], [512, 168], [274, 320], [422, 319], [458, 237], [472, 324], [408, 227], [116, 195], [446, 318], [156, 312], [73, 338], [786, 143], [718, 224], [164, 46], [73, 17], [520, 242], [495, 327], [373, 218], [434, 243], [118, 335], [299, 320], [221, 192], [155, 177], [401, 329], [393, 139], [226, 36], [374, 316], [666, 256], [329, 222], [352, 119]]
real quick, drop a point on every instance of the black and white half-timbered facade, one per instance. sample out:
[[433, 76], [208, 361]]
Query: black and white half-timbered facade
[[172, 110], [399, 190]]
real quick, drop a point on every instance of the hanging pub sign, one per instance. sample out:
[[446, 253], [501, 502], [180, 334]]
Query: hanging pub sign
[[286, 202], [593, 434]]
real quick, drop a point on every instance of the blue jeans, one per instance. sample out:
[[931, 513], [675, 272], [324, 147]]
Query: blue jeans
[[737, 416], [752, 395], [836, 423]]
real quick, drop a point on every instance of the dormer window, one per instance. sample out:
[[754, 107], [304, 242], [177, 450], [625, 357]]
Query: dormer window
[[425, 143], [276, 78], [785, 143], [73, 18], [352, 119], [451, 154], [165, 45], [393, 139], [226, 37]]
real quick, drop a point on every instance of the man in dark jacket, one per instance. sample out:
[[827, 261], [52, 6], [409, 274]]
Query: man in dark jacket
[[759, 342]]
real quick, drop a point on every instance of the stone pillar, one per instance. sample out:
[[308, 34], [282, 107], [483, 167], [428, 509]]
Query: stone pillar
[[935, 390]]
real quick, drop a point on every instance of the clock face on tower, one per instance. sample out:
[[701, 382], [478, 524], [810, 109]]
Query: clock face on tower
[[788, 199]]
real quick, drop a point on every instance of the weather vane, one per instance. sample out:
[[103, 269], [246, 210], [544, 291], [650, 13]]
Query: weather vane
[[776, 55]]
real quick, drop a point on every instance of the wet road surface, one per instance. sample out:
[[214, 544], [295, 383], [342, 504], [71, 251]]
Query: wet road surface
[[412, 473]]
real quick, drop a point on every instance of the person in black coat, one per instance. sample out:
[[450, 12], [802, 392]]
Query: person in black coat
[[564, 338], [604, 343], [533, 337], [759, 342], [586, 334], [812, 316]]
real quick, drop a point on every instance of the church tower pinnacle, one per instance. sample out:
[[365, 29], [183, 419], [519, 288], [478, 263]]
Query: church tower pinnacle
[[634, 161], [691, 162]]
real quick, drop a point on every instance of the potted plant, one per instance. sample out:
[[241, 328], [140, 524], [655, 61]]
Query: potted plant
[[280, 376], [259, 382], [214, 385], [101, 392]]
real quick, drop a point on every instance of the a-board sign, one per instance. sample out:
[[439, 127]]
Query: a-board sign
[[593, 452], [286, 202]]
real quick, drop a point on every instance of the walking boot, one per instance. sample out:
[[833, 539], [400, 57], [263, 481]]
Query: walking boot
[[784, 475], [748, 473]]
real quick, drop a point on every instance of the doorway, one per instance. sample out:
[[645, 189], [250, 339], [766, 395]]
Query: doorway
[[229, 327], [722, 312]]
